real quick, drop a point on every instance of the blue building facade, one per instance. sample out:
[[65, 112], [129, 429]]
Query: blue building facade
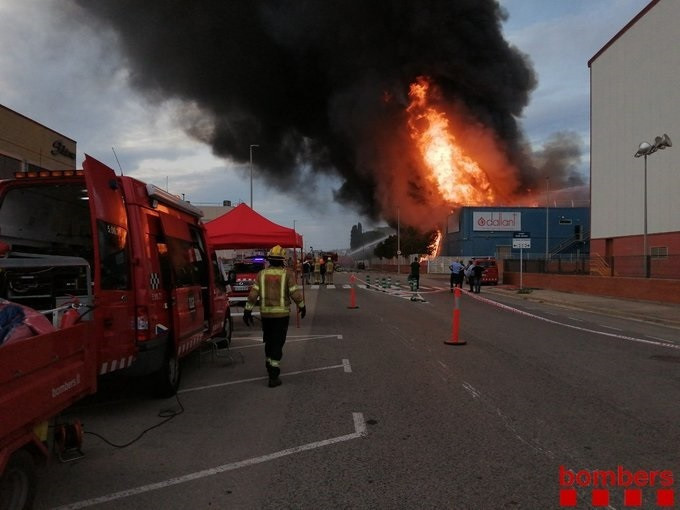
[[489, 231]]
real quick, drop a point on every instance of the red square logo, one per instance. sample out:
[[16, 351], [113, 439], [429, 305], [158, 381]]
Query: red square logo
[[600, 497], [567, 497], [632, 497], [665, 497]]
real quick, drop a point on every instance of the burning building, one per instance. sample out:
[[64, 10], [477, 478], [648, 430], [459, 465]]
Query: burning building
[[411, 105]]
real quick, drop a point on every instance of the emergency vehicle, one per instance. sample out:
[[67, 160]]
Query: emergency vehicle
[[490, 274], [157, 293], [148, 290], [241, 277]]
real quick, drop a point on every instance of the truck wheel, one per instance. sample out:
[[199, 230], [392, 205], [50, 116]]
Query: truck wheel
[[225, 335], [168, 377], [17, 485]]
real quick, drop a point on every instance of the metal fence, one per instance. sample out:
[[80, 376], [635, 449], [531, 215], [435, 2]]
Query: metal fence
[[624, 265]]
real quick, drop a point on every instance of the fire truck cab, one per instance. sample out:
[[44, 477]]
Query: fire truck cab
[[155, 292]]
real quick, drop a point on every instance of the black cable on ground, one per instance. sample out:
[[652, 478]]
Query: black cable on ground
[[168, 414]]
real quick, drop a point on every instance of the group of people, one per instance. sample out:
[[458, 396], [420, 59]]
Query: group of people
[[322, 271], [473, 273]]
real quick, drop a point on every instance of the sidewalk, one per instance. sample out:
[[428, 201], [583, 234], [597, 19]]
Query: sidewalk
[[646, 311]]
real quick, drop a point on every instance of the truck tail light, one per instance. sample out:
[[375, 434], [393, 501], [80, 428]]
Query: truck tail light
[[142, 323]]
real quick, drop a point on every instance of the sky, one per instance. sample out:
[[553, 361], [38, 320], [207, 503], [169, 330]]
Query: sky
[[74, 79]]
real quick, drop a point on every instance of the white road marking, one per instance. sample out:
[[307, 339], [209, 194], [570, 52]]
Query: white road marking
[[240, 381], [347, 366], [359, 432], [303, 338], [659, 338], [506, 421], [609, 327], [575, 319], [571, 326], [442, 364]]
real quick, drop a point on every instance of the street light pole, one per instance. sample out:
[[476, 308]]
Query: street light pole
[[547, 205], [644, 235], [251, 174], [398, 244], [645, 149]]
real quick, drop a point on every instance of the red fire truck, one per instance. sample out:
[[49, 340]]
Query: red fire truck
[[135, 258], [157, 293]]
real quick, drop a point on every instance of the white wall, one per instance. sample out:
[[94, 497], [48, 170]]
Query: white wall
[[635, 96]]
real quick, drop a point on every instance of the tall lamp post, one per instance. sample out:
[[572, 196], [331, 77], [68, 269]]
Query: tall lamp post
[[645, 149], [251, 174], [547, 206], [398, 244]]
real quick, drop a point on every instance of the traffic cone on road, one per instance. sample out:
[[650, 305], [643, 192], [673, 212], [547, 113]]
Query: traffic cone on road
[[455, 340], [352, 296]]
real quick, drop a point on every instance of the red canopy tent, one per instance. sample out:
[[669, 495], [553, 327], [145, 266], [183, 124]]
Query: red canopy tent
[[244, 228]]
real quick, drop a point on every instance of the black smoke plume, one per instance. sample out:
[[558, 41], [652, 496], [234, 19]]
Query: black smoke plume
[[321, 85]]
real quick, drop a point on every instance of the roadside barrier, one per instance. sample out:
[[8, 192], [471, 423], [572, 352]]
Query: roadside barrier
[[412, 282], [368, 281], [352, 294], [455, 340]]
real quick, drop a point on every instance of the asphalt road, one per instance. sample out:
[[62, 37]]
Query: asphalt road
[[376, 411]]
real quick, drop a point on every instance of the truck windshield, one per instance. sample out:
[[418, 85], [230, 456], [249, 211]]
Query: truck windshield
[[47, 219]]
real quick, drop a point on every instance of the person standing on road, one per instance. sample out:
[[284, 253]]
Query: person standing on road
[[317, 272], [306, 270], [274, 287], [476, 281], [415, 272], [461, 274], [468, 274], [329, 271], [322, 269], [456, 269]]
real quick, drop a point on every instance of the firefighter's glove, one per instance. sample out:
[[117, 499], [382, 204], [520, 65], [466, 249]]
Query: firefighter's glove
[[303, 312], [248, 317]]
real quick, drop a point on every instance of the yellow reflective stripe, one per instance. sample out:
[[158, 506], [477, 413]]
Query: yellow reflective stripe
[[282, 306], [282, 290], [274, 363]]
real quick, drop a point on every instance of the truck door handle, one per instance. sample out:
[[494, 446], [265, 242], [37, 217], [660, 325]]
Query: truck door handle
[[123, 298]]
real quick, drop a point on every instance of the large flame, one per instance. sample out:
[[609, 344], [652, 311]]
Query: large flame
[[458, 177], [436, 244]]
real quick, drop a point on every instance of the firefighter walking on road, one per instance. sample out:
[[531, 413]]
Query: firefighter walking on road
[[274, 287]]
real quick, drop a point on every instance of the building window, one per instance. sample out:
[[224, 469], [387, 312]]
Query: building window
[[9, 165], [30, 167], [659, 252]]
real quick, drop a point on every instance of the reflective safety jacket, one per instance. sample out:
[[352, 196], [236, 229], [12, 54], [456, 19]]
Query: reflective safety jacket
[[275, 287]]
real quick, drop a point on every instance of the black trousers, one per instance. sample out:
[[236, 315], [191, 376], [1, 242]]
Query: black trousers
[[274, 331]]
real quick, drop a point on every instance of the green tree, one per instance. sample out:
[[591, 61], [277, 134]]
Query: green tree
[[386, 249], [412, 241]]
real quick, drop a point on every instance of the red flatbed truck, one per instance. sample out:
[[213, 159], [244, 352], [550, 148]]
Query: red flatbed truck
[[40, 376]]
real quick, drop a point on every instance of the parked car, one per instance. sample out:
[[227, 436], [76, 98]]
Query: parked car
[[241, 276], [490, 274]]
